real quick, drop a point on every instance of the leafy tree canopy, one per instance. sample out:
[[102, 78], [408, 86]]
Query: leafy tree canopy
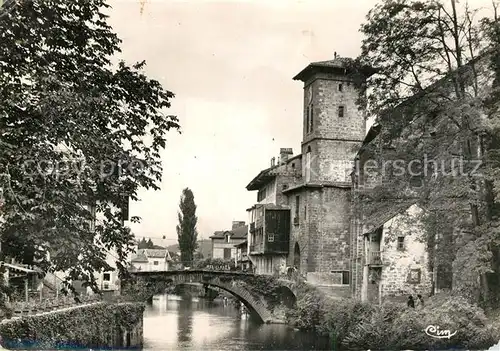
[[76, 131], [435, 95]]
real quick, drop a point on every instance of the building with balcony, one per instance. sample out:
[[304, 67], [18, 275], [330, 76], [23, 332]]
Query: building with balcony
[[269, 237], [224, 241], [242, 262], [395, 259], [313, 188]]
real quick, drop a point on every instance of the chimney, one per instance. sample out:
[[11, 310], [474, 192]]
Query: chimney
[[285, 153], [273, 160], [237, 224]]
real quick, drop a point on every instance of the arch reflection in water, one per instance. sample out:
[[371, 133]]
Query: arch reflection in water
[[176, 323]]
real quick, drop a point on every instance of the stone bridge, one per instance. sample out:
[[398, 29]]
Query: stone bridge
[[265, 296]]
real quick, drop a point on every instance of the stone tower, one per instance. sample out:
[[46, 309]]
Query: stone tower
[[333, 131], [333, 127]]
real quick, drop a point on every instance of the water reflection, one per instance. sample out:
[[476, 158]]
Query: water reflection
[[185, 321], [175, 323]]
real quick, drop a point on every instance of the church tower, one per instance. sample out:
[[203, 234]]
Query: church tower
[[333, 127]]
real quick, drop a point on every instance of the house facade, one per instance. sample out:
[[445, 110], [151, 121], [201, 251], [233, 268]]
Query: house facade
[[151, 260], [224, 241], [241, 260]]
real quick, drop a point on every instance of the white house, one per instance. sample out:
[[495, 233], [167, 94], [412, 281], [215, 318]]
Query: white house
[[224, 241], [151, 260]]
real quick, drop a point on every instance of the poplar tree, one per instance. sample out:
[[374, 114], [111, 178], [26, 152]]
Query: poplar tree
[[186, 229]]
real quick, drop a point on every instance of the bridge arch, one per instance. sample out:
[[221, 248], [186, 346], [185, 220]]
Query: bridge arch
[[256, 306], [228, 281]]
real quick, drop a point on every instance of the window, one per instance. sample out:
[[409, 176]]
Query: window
[[341, 111], [307, 165], [340, 87], [341, 277], [309, 118], [262, 194], [305, 212], [414, 276], [293, 165], [270, 238], [156, 263], [227, 254], [228, 238], [297, 205], [401, 243], [345, 278], [106, 277]]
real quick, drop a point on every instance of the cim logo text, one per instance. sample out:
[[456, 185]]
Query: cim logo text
[[434, 332]]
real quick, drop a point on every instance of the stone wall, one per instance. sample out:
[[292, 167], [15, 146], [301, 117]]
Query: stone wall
[[99, 325], [323, 230], [399, 265], [326, 99]]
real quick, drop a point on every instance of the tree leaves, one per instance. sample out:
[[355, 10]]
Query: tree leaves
[[434, 94], [83, 133]]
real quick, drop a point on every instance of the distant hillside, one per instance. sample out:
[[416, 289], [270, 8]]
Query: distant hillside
[[173, 248], [204, 246]]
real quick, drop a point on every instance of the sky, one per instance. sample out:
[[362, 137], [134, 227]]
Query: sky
[[230, 65]]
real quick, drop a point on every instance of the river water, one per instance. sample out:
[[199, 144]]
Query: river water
[[183, 323]]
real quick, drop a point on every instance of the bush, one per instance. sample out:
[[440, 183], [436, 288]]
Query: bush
[[402, 328], [341, 316], [308, 313], [355, 325]]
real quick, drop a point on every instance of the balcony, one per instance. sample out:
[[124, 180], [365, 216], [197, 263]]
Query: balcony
[[257, 248], [374, 258]]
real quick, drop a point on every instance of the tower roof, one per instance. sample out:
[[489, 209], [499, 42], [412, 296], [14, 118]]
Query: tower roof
[[339, 65]]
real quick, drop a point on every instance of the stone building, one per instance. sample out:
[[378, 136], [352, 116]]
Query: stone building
[[314, 186], [241, 261], [330, 238], [224, 241], [390, 252], [270, 218]]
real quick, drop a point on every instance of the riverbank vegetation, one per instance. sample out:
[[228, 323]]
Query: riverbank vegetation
[[352, 324], [98, 325]]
